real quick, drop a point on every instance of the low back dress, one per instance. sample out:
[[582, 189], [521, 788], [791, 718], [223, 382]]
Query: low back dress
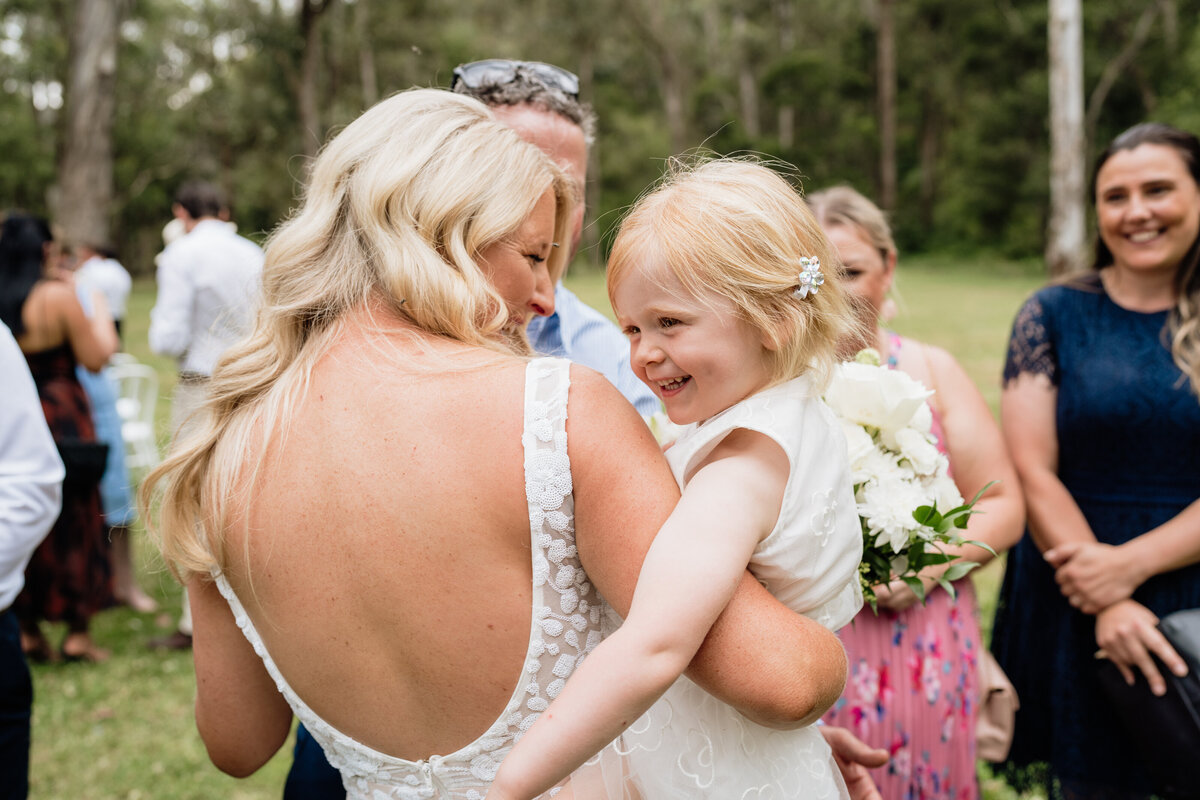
[[692, 746], [565, 625], [1128, 428]]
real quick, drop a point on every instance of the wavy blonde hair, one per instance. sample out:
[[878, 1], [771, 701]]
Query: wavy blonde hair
[[736, 228], [398, 207]]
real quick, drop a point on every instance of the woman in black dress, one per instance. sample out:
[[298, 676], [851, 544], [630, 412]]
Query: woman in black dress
[[69, 577], [1102, 416]]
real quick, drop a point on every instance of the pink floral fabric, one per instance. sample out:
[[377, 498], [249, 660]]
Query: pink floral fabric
[[913, 688]]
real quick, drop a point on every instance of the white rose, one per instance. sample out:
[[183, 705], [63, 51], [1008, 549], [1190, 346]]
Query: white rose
[[917, 449], [923, 419], [876, 396], [858, 442]]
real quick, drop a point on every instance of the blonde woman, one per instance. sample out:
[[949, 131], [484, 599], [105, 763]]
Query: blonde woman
[[913, 685], [1102, 416], [385, 519]]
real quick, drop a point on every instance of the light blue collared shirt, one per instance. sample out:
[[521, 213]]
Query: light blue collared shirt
[[580, 333]]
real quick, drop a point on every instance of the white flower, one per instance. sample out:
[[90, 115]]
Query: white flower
[[917, 449], [945, 491], [922, 420], [858, 442], [877, 397], [878, 465], [887, 507]]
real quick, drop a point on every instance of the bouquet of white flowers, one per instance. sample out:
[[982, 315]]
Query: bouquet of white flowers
[[900, 479]]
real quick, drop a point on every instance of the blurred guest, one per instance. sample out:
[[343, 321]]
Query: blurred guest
[[207, 288], [1102, 418], [913, 681], [98, 270], [31, 475], [541, 103], [69, 575]]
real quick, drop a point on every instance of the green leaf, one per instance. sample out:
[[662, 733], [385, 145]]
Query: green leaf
[[927, 515], [948, 586], [959, 569], [916, 585]]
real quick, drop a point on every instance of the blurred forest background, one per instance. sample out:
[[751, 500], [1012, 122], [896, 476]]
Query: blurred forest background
[[243, 92]]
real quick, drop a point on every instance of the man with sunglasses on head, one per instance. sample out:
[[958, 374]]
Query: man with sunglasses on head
[[541, 103]]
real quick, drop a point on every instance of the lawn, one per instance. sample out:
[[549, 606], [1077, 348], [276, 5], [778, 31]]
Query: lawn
[[124, 729]]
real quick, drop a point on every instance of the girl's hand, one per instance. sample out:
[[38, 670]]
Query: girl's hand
[[1093, 576], [1126, 632]]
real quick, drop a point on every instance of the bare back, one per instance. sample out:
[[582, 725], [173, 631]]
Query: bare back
[[391, 549]]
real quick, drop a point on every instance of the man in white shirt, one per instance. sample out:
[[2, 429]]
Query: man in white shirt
[[31, 475], [207, 291], [99, 271]]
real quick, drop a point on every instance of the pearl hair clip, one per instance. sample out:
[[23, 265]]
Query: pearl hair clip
[[810, 277]]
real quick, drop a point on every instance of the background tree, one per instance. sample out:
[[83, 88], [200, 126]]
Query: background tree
[[1068, 146], [85, 170], [211, 88]]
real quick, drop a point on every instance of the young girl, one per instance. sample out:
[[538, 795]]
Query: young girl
[[728, 292]]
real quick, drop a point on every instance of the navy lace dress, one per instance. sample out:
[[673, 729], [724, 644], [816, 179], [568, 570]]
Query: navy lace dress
[[1129, 453]]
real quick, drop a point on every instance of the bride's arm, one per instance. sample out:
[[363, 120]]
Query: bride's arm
[[777, 667], [241, 716]]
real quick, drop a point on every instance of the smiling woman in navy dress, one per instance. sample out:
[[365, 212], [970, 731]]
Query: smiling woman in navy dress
[[1101, 412]]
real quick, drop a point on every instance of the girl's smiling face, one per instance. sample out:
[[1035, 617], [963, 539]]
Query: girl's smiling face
[[1147, 208], [695, 352]]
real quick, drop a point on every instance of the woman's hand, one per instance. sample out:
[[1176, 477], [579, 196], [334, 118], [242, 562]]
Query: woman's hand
[[1093, 576], [854, 757], [1126, 632], [898, 595]]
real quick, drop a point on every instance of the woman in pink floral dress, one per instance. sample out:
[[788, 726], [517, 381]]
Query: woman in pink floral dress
[[912, 687]]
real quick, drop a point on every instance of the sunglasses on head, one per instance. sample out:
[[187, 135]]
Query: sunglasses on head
[[499, 71]]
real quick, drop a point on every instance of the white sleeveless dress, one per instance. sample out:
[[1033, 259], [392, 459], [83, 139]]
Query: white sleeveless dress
[[690, 745], [565, 626]]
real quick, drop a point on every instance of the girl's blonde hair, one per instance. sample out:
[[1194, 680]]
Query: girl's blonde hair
[[398, 208], [736, 228]]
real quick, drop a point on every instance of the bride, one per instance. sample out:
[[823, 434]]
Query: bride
[[395, 524]]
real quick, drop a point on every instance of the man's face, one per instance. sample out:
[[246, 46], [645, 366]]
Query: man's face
[[558, 138]]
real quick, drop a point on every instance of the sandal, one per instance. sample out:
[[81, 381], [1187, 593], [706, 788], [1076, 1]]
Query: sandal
[[36, 647], [89, 653]]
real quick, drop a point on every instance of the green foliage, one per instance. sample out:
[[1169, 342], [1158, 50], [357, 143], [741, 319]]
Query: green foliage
[[208, 88]]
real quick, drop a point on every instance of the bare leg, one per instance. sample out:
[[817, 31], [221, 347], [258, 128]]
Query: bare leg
[[125, 585]]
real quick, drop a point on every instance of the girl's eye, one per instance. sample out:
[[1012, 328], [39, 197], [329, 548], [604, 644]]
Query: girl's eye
[[630, 330], [852, 274], [668, 322], [535, 258]]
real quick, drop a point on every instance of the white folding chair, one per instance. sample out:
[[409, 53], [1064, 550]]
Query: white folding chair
[[137, 398]]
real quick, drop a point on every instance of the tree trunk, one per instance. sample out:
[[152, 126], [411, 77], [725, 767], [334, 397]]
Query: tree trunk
[[747, 84], [85, 172], [787, 42], [885, 51], [1065, 247], [366, 53], [310, 58], [652, 27]]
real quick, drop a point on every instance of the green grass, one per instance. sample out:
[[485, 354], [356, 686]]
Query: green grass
[[124, 729]]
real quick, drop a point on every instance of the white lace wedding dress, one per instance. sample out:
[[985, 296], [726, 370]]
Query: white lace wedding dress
[[690, 745], [565, 625]]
